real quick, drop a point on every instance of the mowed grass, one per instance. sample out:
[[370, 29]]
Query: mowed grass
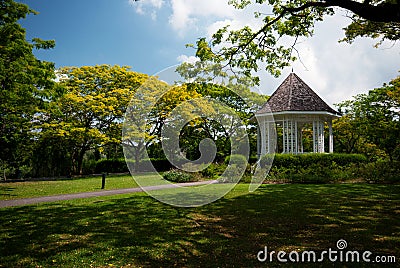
[[15, 190], [137, 231]]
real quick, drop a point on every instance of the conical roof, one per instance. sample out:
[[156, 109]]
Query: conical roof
[[295, 95]]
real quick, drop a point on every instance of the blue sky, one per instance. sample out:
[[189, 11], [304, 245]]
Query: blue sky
[[150, 35], [102, 31]]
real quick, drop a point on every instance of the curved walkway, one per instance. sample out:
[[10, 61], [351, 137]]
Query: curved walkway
[[54, 198]]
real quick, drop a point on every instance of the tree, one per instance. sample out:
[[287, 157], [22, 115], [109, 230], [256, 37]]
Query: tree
[[142, 124], [233, 90], [88, 111], [346, 135], [147, 113], [350, 139], [375, 117], [243, 101], [242, 50], [24, 84]]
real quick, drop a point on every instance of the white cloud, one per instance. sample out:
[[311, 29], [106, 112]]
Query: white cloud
[[348, 69], [214, 27], [147, 7], [186, 14], [188, 59], [336, 71]]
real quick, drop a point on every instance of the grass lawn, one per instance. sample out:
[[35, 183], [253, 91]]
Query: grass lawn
[[16, 190], [136, 231]]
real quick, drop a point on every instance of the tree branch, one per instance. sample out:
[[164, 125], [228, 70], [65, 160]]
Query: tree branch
[[385, 12]]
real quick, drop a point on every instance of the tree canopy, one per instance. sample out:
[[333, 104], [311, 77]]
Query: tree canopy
[[24, 83], [274, 43], [89, 109], [372, 120]]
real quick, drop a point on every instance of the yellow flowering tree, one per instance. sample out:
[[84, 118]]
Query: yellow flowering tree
[[88, 111], [148, 112]]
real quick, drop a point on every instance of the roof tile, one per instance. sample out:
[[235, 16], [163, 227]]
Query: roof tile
[[295, 95]]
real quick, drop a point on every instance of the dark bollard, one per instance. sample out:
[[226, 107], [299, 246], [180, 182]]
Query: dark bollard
[[103, 180], [19, 174]]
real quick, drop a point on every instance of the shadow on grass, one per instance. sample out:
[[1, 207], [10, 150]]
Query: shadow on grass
[[140, 231], [6, 191]]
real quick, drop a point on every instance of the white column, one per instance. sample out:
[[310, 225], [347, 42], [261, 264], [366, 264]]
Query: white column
[[318, 136], [263, 137], [321, 136], [291, 137], [284, 135], [330, 137], [287, 136], [300, 138], [269, 137], [258, 141], [296, 141], [273, 137], [315, 142]]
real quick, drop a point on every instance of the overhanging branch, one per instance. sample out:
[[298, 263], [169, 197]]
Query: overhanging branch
[[385, 12]]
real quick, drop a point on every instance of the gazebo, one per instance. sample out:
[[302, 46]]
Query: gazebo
[[293, 106]]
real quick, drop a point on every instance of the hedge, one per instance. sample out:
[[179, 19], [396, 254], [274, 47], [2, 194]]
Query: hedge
[[306, 160], [111, 166], [178, 176], [314, 168], [381, 172], [119, 165]]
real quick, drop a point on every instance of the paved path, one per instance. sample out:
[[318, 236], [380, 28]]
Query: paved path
[[54, 198]]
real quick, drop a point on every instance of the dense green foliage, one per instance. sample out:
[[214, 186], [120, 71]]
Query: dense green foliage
[[119, 165], [381, 172], [111, 166], [315, 168], [178, 176], [240, 99], [330, 168], [25, 82], [306, 160], [236, 167], [371, 124], [88, 111], [214, 170]]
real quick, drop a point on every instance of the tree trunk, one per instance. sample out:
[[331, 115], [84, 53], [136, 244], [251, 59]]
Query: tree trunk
[[80, 160], [137, 158]]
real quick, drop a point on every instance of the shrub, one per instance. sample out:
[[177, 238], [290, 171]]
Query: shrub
[[232, 174], [381, 172], [213, 171], [306, 160], [111, 166], [145, 165], [161, 164], [9, 172], [313, 168], [236, 159], [253, 159], [234, 171], [119, 165], [89, 166], [177, 176]]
